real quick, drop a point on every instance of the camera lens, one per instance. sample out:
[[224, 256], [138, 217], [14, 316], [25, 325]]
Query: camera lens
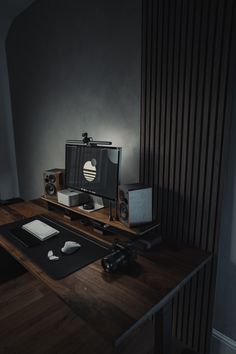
[[111, 262], [106, 265]]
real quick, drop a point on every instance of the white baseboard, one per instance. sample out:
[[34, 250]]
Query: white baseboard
[[229, 342]]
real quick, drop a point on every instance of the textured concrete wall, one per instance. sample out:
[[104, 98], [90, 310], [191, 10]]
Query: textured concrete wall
[[77, 69]]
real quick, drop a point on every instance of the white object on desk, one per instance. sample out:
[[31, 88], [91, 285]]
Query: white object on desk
[[70, 247], [51, 256], [71, 197], [98, 204], [40, 230]]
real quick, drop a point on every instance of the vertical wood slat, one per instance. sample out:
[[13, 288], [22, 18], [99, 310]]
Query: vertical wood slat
[[144, 52], [188, 56]]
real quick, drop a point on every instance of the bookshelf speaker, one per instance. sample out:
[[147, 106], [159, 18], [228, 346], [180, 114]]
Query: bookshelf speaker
[[135, 204], [53, 181]]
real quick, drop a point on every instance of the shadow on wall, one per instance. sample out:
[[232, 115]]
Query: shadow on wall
[[174, 207]]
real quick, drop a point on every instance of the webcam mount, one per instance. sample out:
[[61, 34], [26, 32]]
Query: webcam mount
[[86, 140]]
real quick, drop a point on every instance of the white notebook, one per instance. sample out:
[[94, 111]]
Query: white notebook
[[40, 230]]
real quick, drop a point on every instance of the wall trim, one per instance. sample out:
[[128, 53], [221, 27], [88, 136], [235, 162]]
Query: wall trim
[[223, 338]]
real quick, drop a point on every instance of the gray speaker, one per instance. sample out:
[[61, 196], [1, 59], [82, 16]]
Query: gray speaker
[[135, 204]]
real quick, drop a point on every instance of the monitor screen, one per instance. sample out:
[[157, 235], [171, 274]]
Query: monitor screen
[[93, 169]]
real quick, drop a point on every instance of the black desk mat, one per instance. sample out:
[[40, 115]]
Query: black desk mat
[[89, 252]]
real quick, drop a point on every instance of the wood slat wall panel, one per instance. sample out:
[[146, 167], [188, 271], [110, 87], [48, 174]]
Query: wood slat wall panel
[[188, 76]]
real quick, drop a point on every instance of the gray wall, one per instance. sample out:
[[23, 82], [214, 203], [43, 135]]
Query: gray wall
[[9, 9], [74, 66], [225, 304]]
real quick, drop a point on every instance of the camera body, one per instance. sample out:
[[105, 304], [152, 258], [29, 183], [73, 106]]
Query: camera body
[[122, 255]]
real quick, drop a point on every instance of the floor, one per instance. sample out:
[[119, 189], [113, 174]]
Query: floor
[[34, 321]]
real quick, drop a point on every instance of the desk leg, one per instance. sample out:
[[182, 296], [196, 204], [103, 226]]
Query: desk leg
[[163, 330]]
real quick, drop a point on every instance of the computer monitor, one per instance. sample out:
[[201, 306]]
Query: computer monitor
[[93, 169]]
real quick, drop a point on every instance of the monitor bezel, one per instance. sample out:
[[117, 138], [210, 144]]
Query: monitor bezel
[[97, 147]]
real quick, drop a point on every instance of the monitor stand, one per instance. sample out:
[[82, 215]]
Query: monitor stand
[[97, 202]]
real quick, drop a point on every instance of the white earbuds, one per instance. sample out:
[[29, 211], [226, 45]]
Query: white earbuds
[[51, 256]]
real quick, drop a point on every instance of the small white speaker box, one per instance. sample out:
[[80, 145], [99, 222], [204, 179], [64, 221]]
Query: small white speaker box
[[70, 197]]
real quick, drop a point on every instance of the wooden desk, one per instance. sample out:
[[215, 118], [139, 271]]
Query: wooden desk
[[120, 307]]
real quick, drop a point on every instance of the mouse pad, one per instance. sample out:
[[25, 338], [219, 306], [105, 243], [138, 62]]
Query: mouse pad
[[89, 252]]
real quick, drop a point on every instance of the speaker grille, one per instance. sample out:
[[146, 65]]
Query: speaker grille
[[124, 213], [52, 178], [50, 189]]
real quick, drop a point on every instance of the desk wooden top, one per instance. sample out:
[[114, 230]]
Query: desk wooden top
[[112, 305]]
